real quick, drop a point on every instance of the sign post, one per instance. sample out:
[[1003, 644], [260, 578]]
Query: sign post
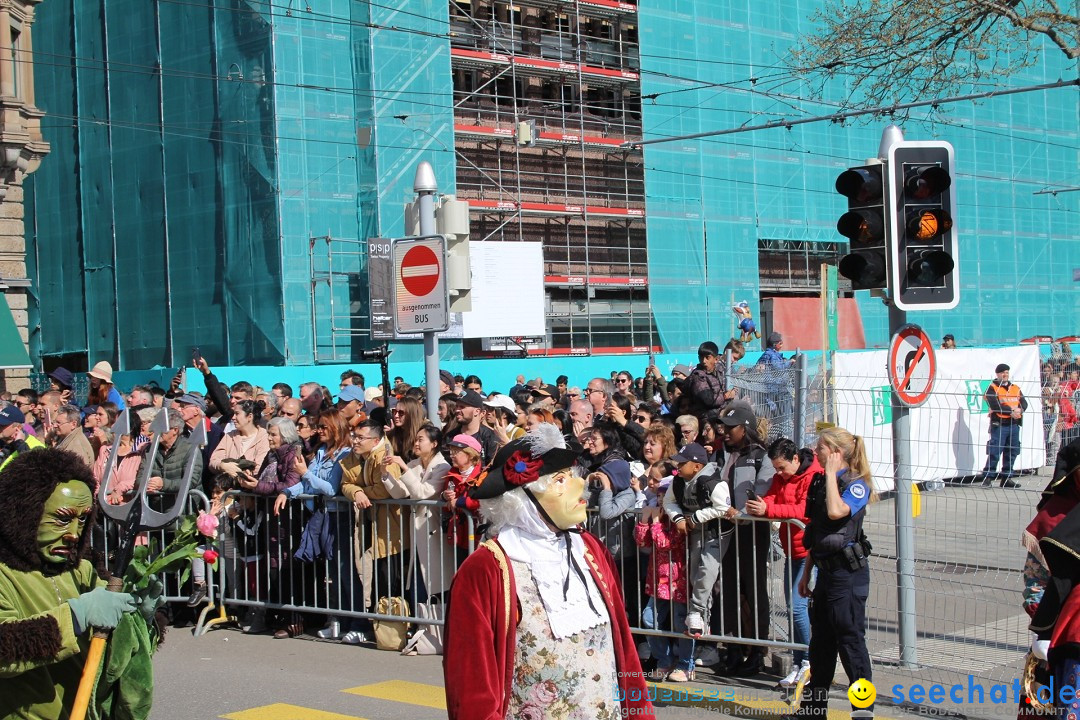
[[425, 186]]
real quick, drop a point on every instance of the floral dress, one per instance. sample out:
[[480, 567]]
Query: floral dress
[[569, 679]]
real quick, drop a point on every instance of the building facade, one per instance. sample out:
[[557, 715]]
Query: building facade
[[214, 187], [21, 150]]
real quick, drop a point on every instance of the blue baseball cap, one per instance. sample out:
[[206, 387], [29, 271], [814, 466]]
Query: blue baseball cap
[[11, 415], [350, 393]]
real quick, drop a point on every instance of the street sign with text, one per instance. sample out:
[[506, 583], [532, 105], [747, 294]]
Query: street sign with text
[[420, 298]]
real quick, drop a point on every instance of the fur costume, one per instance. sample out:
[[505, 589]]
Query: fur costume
[[41, 658]]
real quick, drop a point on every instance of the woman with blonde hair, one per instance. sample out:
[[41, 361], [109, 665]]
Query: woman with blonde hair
[[836, 505]]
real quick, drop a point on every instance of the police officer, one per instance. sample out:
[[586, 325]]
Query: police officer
[[1007, 406], [836, 505]]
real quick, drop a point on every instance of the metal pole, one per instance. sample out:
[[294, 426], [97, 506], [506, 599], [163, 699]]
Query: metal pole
[[799, 421], [901, 436], [905, 523], [425, 186]]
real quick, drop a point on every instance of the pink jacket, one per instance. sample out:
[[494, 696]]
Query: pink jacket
[[667, 572]]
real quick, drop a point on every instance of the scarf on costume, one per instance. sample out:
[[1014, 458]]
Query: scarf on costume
[[553, 557]]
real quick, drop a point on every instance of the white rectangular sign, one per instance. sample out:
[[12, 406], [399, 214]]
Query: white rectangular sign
[[420, 292], [507, 290]]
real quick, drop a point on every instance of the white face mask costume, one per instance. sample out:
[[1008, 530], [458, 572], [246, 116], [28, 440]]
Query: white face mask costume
[[538, 517]]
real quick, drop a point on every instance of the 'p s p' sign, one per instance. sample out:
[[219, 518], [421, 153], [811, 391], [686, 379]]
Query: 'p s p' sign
[[420, 294]]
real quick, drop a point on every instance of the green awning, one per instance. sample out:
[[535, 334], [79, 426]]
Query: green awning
[[12, 351]]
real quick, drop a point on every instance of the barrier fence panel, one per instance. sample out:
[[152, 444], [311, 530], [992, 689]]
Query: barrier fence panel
[[968, 558], [107, 534]]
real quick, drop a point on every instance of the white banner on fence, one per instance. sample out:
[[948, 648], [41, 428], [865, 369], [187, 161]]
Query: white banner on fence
[[950, 431]]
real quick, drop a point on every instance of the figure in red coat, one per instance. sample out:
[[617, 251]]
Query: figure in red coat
[[536, 625]]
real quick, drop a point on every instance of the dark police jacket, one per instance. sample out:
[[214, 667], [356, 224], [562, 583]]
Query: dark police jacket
[[825, 537]]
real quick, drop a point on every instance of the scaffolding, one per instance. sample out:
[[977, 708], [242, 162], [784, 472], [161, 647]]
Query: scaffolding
[[545, 95]]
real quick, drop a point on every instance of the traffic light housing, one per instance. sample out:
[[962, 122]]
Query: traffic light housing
[[864, 225], [924, 273]]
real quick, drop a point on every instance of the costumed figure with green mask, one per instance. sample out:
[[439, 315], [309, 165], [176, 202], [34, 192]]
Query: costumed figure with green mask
[[536, 624], [51, 599]]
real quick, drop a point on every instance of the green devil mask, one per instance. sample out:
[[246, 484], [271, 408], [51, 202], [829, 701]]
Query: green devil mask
[[63, 521]]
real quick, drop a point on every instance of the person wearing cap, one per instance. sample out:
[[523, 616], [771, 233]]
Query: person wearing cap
[[537, 626], [779, 395], [773, 355], [706, 387], [695, 503], [500, 414], [544, 396], [192, 409], [1007, 407], [462, 513], [13, 440], [749, 472], [62, 380], [948, 342], [446, 383], [101, 386], [470, 420], [350, 402]]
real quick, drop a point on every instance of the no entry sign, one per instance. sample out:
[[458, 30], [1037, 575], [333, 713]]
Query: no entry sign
[[420, 284], [912, 365]]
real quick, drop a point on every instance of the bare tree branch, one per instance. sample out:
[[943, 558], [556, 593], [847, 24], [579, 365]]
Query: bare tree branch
[[883, 52]]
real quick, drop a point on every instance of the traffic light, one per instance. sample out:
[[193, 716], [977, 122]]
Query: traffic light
[[866, 265], [923, 267]]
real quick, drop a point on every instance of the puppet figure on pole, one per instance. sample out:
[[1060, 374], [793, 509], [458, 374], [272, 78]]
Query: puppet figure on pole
[[536, 625]]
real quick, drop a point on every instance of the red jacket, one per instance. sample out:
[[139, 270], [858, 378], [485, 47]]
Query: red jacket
[[787, 499], [463, 508], [481, 632]]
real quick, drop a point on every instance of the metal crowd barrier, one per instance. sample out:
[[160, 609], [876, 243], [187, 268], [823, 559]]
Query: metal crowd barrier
[[257, 569], [106, 538]]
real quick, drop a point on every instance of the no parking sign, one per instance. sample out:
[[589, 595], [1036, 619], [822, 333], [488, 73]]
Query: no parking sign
[[912, 365]]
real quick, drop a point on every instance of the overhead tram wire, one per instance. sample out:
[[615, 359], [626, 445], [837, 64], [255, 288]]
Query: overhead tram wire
[[837, 117]]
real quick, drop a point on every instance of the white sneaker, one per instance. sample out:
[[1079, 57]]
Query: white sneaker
[[353, 637], [708, 656], [793, 677], [695, 624], [332, 631]]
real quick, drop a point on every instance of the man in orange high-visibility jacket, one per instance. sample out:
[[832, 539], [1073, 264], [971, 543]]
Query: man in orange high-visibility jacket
[[1007, 406]]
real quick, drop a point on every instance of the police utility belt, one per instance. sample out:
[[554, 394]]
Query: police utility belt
[[851, 557]]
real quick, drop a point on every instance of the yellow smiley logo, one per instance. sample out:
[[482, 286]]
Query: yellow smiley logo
[[862, 693]]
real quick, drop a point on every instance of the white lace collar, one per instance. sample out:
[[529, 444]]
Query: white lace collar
[[532, 542]]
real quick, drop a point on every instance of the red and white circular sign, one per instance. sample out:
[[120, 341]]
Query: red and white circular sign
[[912, 365], [420, 270]]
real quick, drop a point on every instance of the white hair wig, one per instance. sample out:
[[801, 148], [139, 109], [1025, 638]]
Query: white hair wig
[[508, 509]]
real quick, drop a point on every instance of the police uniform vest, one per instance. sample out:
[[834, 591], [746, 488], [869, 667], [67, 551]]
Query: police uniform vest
[[1008, 397], [825, 537]]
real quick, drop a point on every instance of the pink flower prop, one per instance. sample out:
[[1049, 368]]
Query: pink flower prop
[[207, 524]]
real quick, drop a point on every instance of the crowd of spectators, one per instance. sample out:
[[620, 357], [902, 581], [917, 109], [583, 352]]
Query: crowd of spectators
[[350, 457]]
